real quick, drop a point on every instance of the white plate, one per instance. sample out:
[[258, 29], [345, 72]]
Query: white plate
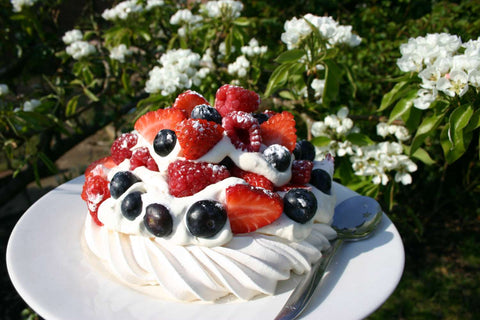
[[50, 270]]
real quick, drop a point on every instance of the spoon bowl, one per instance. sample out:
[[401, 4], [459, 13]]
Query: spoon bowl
[[354, 219]]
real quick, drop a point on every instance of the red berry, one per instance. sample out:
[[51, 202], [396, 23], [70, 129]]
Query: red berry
[[250, 208], [151, 122], [186, 178], [280, 129], [100, 167], [187, 101], [301, 171], [232, 98], [95, 191], [120, 149], [197, 136], [252, 178], [141, 157], [243, 130]]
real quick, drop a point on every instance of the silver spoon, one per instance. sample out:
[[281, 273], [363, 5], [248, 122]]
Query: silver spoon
[[354, 219]]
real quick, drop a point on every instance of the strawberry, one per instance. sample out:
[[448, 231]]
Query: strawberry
[[280, 129], [100, 167], [151, 122], [197, 136], [243, 130], [95, 191], [186, 178], [121, 147], [232, 98], [187, 101], [253, 179], [249, 208], [301, 171], [141, 157]]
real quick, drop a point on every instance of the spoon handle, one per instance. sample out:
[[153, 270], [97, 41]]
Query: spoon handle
[[303, 292]]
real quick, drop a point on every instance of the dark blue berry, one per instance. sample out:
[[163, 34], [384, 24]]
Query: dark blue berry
[[164, 142], [278, 156], [206, 218], [321, 180], [158, 220], [300, 205], [304, 150], [121, 181], [261, 117], [204, 111], [132, 205]]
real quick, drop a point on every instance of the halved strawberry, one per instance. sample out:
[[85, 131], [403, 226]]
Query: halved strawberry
[[151, 122], [249, 208], [99, 167], [95, 191], [254, 179], [197, 136], [187, 101], [280, 129]]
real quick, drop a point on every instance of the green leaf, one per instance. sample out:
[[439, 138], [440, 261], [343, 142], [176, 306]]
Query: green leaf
[[290, 56], [392, 96], [359, 139], [403, 106], [332, 81], [458, 120], [454, 152], [423, 156], [48, 163], [474, 122], [90, 95], [242, 22], [321, 141], [278, 78], [427, 126], [72, 106]]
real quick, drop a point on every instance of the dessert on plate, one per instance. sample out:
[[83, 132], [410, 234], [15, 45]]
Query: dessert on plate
[[204, 202]]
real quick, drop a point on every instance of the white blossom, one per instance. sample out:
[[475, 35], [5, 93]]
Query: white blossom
[[185, 17], [253, 48], [154, 3], [239, 67], [31, 105], [3, 89], [19, 4], [72, 36], [80, 49], [120, 52], [122, 10], [228, 9]]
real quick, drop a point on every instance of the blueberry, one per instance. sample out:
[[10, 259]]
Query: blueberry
[[204, 111], [321, 180], [205, 218], [164, 142], [300, 205], [304, 150], [261, 117], [158, 220], [278, 156], [132, 205], [121, 181]]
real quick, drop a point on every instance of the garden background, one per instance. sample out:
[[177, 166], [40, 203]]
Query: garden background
[[402, 120]]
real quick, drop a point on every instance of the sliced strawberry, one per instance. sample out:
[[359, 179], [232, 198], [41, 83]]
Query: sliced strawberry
[[151, 122], [280, 129], [187, 101], [95, 191], [100, 167], [197, 136], [186, 178], [233, 98], [249, 208], [253, 179], [301, 171]]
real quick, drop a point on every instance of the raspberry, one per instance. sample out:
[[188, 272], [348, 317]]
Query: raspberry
[[253, 179], [95, 191], [142, 157], [232, 98], [121, 148], [197, 137], [186, 178], [243, 130], [301, 171]]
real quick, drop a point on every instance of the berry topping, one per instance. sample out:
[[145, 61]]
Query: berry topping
[[164, 142], [141, 157], [301, 171], [95, 191], [187, 101], [206, 218], [321, 180], [121, 147], [197, 136], [232, 98], [151, 122], [300, 205], [278, 156], [207, 112], [158, 220], [186, 178], [243, 130], [253, 179], [304, 150], [100, 167], [120, 183], [250, 208], [280, 129], [131, 206]]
